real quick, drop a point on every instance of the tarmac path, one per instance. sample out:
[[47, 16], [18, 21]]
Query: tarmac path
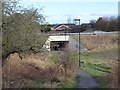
[[85, 80]]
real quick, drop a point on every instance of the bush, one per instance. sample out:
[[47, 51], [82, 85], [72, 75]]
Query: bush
[[46, 28], [20, 33]]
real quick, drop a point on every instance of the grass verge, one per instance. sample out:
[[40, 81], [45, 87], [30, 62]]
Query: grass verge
[[99, 64]]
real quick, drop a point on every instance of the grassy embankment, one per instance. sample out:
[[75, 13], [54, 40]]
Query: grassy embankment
[[101, 59], [100, 65], [46, 69], [40, 70], [71, 71]]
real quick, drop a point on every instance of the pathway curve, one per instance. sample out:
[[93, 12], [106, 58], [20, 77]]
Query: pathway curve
[[87, 81]]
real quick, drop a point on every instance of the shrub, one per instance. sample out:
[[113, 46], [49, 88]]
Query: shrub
[[20, 33]]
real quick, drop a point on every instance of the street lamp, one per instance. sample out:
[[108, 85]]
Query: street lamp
[[78, 20]]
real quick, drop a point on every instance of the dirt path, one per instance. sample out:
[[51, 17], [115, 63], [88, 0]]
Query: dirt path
[[87, 81]]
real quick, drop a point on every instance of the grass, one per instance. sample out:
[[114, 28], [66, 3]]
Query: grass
[[99, 64], [54, 57], [39, 83], [101, 57], [69, 59], [36, 68], [98, 42], [95, 71], [70, 83], [91, 63], [91, 69]]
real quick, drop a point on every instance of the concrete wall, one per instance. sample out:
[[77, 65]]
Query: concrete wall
[[74, 45], [46, 46]]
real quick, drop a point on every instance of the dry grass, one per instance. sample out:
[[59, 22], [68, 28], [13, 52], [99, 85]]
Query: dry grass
[[39, 60], [98, 42], [113, 78], [19, 72], [105, 48]]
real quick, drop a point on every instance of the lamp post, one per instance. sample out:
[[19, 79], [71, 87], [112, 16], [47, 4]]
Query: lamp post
[[78, 20]]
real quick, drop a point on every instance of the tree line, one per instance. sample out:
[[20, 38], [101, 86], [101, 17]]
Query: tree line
[[105, 24]]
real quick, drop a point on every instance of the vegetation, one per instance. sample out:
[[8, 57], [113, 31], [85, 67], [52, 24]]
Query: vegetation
[[39, 70], [29, 67], [102, 23], [69, 66], [100, 65], [25, 65], [107, 24], [98, 42], [45, 28], [100, 59], [21, 28]]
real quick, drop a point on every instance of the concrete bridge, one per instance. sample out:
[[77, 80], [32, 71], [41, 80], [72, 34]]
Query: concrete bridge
[[60, 42]]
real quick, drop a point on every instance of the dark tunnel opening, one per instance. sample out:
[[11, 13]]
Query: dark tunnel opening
[[58, 45]]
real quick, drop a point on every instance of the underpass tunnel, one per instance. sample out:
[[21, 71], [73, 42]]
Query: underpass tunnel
[[58, 45]]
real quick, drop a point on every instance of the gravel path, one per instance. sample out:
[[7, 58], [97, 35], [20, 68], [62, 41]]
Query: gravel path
[[87, 81]]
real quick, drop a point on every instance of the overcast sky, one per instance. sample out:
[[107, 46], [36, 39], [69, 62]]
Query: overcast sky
[[60, 10]]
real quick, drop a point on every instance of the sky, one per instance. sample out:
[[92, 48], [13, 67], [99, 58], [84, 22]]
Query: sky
[[57, 12]]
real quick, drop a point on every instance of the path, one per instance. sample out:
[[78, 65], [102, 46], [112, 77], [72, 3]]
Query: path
[[87, 81]]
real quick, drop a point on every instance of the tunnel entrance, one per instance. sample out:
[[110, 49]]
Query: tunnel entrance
[[58, 45]]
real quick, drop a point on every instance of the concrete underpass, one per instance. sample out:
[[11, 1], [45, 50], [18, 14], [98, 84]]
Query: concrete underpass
[[58, 45], [62, 42]]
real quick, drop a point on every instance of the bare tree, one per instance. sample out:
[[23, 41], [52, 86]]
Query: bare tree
[[10, 7], [107, 24], [69, 20], [93, 22]]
